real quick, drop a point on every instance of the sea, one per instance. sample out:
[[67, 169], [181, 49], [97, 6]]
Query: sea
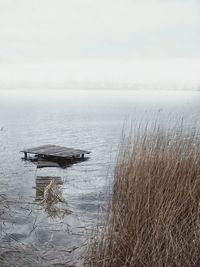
[[84, 119]]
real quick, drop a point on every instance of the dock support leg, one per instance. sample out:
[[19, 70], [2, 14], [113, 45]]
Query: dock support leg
[[82, 156], [25, 155]]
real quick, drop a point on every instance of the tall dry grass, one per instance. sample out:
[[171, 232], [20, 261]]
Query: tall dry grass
[[154, 215]]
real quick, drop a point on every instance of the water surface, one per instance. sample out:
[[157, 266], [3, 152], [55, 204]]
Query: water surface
[[90, 120]]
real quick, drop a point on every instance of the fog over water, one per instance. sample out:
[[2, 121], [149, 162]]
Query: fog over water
[[58, 43], [93, 51]]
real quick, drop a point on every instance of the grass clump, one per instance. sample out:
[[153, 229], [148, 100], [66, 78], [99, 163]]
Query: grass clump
[[154, 214]]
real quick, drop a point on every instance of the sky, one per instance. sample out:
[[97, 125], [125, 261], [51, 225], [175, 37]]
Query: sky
[[59, 43]]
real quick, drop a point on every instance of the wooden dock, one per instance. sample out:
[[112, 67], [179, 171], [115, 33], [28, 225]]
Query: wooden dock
[[54, 153]]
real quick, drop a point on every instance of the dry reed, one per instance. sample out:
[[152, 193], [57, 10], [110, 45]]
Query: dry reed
[[154, 214]]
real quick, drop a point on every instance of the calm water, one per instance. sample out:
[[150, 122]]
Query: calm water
[[82, 119]]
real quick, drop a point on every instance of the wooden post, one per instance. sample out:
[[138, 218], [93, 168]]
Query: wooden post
[[25, 155], [82, 156]]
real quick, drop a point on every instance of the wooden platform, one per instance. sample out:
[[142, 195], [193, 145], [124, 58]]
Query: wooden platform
[[55, 151], [45, 164]]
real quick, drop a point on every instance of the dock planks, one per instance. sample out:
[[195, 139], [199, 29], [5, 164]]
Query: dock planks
[[55, 151]]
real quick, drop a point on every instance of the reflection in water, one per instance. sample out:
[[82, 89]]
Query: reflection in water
[[42, 182], [48, 190]]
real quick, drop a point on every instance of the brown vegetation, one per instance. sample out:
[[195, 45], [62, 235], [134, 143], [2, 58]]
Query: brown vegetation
[[154, 215]]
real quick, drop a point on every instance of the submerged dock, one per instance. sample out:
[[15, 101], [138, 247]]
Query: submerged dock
[[54, 153]]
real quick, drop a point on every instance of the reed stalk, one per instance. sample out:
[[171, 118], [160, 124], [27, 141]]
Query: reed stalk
[[154, 215]]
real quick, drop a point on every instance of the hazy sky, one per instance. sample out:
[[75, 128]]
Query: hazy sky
[[64, 41]]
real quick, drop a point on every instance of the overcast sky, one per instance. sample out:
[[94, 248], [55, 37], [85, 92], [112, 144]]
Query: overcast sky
[[127, 41]]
